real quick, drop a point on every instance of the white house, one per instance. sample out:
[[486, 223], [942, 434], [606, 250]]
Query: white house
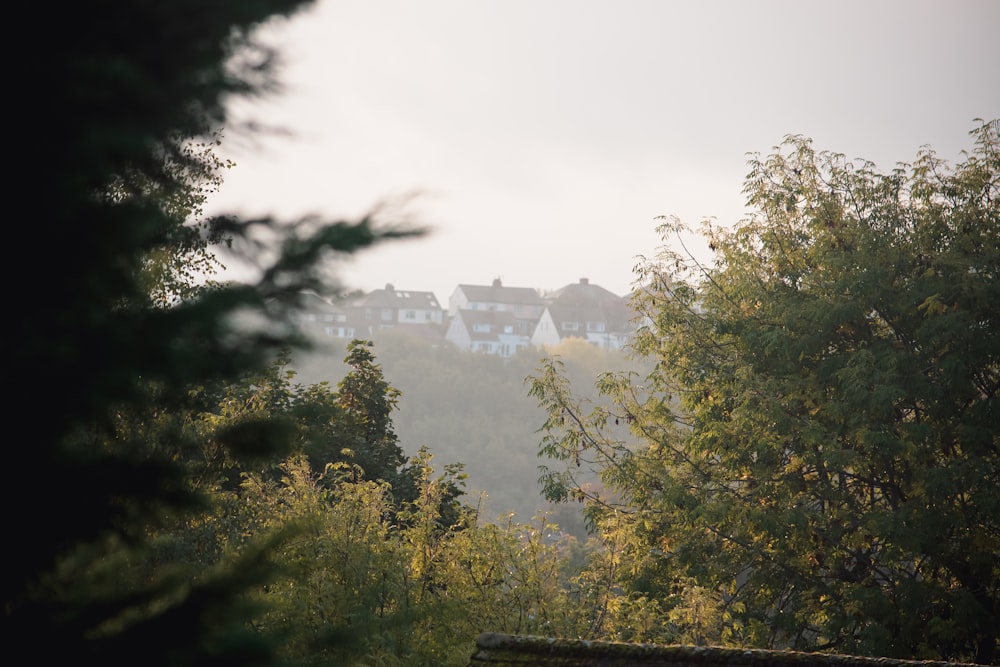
[[410, 311], [586, 311], [389, 307], [523, 302], [487, 332], [490, 319]]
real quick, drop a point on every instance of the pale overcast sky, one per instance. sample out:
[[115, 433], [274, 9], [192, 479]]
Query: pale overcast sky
[[548, 135]]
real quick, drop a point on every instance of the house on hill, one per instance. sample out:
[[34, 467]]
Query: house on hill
[[586, 311], [493, 319], [389, 307], [487, 332], [363, 316], [490, 319], [523, 302], [320, 316]]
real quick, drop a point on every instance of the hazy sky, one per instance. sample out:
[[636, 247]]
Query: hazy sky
[[547, 135]]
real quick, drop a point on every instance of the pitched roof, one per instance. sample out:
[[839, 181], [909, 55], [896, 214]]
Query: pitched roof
[[394, 298], [582, 302], [583, 293], [505, 650], [496, 319], [497, 293]]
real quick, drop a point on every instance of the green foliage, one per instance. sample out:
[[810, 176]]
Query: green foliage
[[367, 580], [368, 402], [814, 457], [118, 357], [176, 269], [374, 574], [474, 408]]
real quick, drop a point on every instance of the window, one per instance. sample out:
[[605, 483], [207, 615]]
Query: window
[[570, 326], [595, 326], [340, 332], [386, 314], [409, 315]]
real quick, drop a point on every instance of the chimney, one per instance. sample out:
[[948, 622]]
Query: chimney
[[496, 282], [584, 281]]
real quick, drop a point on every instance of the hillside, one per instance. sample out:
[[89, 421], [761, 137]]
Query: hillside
[[473, 409]]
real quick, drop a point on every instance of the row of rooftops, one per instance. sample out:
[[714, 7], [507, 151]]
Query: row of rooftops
[[488, 318], [496, 293]]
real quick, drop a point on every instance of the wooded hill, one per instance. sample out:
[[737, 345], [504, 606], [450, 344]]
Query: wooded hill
[[476, 410]]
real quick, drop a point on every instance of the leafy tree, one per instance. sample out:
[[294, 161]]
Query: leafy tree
[[114, 354], [177, 268], [407, 588], [351, 425], [473, 408], [815, 453], [368, 402]]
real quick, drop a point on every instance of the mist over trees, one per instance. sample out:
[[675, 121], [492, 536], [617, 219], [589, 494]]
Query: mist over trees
[[805, 455], [475, 409]]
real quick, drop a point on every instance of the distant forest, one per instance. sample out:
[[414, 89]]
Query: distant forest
[[474, 409]]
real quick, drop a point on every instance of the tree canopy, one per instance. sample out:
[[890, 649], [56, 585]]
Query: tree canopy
[[123, 104], [811, 463], [817, 445]]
